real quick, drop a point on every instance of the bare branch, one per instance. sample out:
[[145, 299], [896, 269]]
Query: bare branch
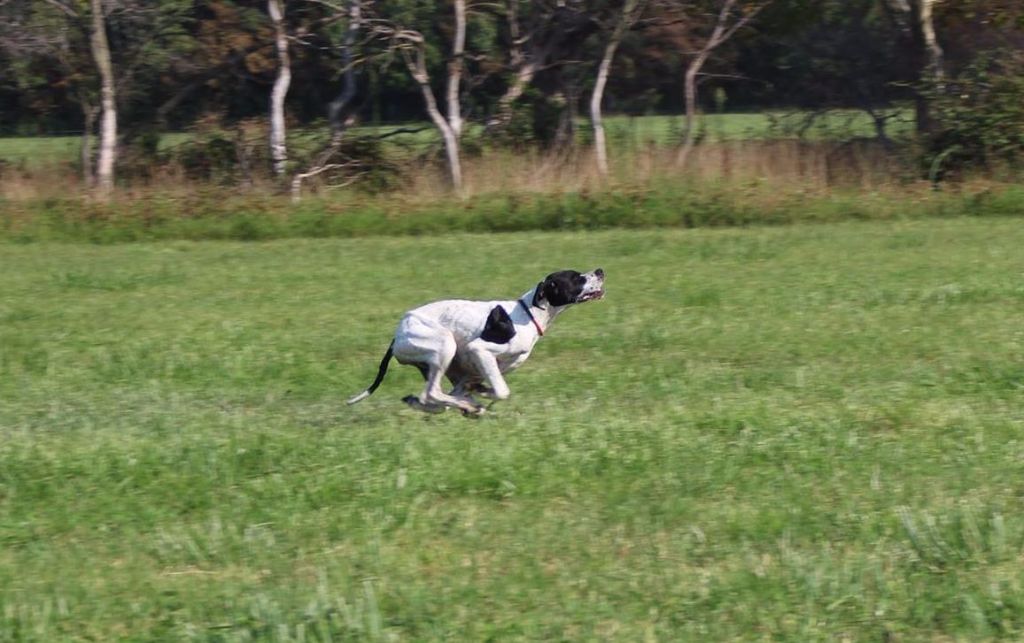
[[63, 7], [721, 32], [397, 131], [299, 178]]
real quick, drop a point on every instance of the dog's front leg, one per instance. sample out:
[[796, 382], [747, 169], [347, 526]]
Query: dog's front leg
[[487, 364]]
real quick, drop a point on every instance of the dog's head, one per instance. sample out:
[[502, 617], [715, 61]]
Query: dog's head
[[567, 287]]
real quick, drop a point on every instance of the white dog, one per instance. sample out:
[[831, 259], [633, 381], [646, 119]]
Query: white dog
[[473, 342]]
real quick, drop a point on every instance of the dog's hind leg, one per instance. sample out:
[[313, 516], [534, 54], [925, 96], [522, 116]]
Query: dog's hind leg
[[414, 401], [433, 393], [430, 347]]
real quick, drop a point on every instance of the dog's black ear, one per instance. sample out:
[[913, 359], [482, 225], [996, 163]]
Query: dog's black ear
[[499, 328], [538, 295]]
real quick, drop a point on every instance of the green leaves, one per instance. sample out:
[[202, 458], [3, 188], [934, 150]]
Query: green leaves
[[978, 115]]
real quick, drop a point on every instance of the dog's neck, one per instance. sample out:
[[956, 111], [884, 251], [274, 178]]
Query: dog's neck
[[542, 315]]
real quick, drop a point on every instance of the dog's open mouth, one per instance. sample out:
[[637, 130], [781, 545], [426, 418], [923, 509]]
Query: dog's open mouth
[[590, 296]]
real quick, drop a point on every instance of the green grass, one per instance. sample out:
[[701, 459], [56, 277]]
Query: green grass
[[216, 214], [796, 433], [35, 152], [38, 151], [667, 130]]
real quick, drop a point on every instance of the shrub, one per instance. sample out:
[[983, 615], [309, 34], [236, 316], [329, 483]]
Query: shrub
[[978, 116], [211, 156]]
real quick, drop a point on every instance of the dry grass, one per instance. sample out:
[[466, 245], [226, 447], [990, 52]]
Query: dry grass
[[785, 164], [782, 162]]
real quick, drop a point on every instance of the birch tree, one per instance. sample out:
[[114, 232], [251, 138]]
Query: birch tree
[[93, 22], [925, 21], [918, 17], [732, 16], [278, 131], [339, 107], [108, 102], [412, 47], [631, 10], [103, 56]]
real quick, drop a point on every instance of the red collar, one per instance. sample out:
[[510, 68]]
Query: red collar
[[532, 318]]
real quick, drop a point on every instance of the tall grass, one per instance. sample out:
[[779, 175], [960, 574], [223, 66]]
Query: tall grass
[[816, 162]]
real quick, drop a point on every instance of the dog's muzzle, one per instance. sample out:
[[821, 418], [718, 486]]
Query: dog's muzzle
[[593, 288]]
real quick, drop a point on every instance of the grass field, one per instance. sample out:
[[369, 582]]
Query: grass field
[[796, 433]]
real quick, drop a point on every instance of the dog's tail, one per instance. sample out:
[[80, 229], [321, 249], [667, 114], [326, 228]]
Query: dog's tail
[[380, 376]]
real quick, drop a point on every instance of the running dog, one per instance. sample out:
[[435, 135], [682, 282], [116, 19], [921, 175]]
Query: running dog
[[474, 343]]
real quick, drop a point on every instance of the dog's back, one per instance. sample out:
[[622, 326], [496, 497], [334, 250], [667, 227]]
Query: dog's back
[[465, 319]]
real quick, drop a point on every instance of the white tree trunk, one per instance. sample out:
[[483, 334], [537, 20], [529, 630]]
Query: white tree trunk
[[629, 13], [450, 127], [108, 102], [454, 154], [933, 72], [455, 69], [278, 131], [596, 121], [922, 27], [448, 134], [690, 95], [931, 43]]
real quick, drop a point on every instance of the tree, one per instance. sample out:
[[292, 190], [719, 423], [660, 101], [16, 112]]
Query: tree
[[977, 115], [917, 17], [631, 10], [278, 131], [821, 55], [230, 49], [411, 44], [97, 55], [540, 35], [108, 101], [924, 20], [731, 16], [57, 21], [340, 107]]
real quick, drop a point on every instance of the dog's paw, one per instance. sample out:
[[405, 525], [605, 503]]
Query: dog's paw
[[476, 410], [414, 403], [475, 413]]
